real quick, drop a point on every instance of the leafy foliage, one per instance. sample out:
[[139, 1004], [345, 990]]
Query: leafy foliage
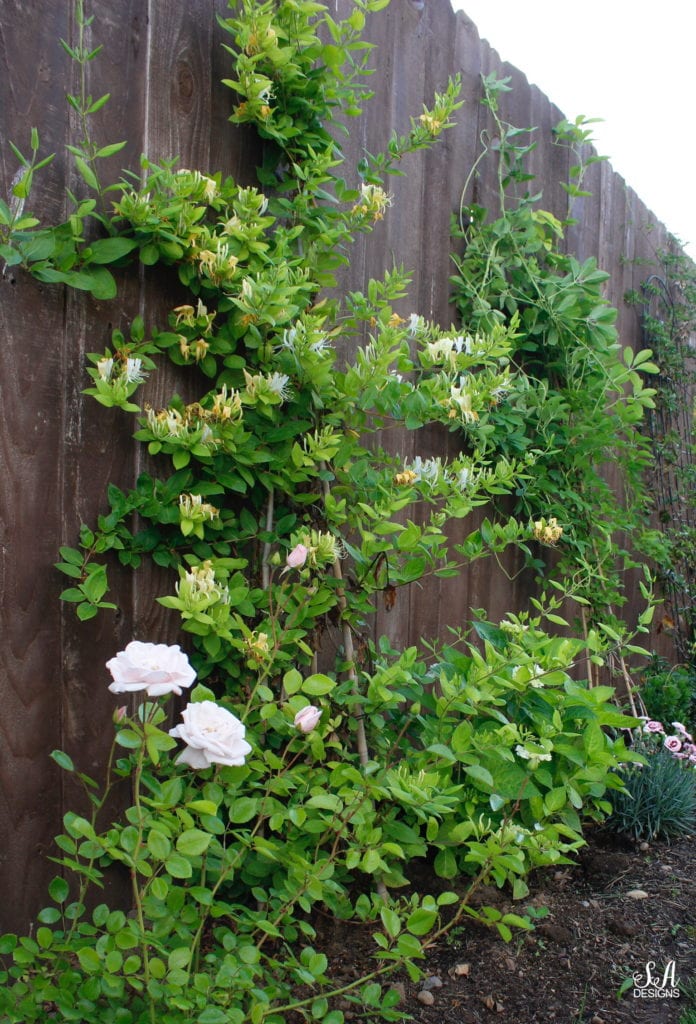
[[582, 399], [283, 521]]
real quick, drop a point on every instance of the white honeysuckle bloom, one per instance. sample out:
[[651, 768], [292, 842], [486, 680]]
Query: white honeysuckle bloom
[[289, 338], [464, 478], [415, 324], [278, 384], [105, 368], [427, 470], [192, 506], [319, 345], [461, 399], [133, 371], [440, 350]]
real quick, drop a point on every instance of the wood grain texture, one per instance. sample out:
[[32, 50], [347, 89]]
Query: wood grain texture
[[162, 63]]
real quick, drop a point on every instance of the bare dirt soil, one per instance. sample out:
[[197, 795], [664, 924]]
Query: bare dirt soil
[[621, 908]]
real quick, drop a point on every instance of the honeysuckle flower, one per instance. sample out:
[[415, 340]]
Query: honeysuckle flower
[[405, 478], [373, 202], [673, 744], [548, 533], [431, 124], [198, 588], [427, 470], [460, 399], [307, 718], [133, 371], [227, 405], [297, 557], [192, 506], [184, 315], [258, 646], [415, 324], [278, 384], [156, 668], [464, 478], [199, 348], [105, 368], [212, 735], [652, 726]]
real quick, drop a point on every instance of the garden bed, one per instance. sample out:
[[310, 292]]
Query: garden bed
[[572, 967]]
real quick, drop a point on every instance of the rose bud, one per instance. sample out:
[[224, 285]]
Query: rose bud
[[297, 557], [308, 718]]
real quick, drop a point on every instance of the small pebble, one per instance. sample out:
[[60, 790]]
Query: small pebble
[[644, 847], [637, 894], [434, 981], [425, 997]]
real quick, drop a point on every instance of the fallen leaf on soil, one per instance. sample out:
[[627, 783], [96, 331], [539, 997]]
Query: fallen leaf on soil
[[492, 1004], [638, 894], [459, 971]]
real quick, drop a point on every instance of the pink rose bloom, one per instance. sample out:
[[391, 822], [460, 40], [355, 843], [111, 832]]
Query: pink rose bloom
[[651, 726], [213, 735], [156, 668], [680, 728], [673, 744], [297, 557], [308, 718]]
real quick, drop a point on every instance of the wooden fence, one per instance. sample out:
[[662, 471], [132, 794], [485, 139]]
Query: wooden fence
[[162, 63]]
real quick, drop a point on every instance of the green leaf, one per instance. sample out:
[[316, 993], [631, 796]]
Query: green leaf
[[445, 864], [58, 889], [480, 774], [318, 685], [62, 759], [109, 250], [243, 809], [193, 843], [178, 866], [421, 921], [200, 693], [391, 921], [89, 960], [87, 173]]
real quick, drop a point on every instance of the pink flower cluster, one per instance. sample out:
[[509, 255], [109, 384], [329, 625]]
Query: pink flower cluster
[[680, 743]]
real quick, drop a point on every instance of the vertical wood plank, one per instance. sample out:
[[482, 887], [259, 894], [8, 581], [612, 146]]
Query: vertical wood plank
[[31, 379]]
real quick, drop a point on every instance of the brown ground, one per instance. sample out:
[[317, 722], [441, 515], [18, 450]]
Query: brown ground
[[570, 968]]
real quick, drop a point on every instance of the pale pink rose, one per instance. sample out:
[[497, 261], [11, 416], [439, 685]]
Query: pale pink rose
[[651, 726], [682, 729], [156, 668], [212, 734], [120, 714], [297, 557], [673, 744], [308, 718]]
